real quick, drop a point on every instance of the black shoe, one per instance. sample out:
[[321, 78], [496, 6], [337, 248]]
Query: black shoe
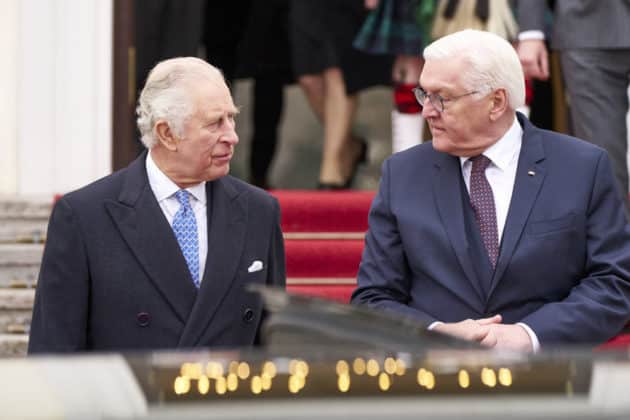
[[362, 158], [329, 186]]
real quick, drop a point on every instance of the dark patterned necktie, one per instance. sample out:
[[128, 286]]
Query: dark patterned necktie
[[482, 202]]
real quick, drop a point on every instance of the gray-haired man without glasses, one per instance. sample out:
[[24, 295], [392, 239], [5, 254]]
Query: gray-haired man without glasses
[[158, 255]]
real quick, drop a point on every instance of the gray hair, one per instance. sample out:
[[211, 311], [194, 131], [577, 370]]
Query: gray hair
[[166, 95], [493, 62]]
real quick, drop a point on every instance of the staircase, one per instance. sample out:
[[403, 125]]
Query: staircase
[[324, 233], [22, 232]]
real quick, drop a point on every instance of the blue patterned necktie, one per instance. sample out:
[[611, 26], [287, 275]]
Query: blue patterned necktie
[[482, 202], [185, 228]]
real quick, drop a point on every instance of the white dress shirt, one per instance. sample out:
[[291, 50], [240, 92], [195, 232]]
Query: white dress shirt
[[164, 190], [501, 174], [531, 34]]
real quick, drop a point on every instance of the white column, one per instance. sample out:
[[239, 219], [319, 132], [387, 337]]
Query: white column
[[8, 97], [64, 91]]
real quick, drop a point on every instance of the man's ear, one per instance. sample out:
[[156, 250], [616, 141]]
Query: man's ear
[[498, 104], [166, 136]]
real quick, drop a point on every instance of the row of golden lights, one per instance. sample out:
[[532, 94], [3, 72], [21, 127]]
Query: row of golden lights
[[425, 378], [224, 382], [298, 370]]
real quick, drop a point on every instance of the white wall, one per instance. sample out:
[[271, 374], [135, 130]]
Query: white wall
[[64, 94], [8, 96]]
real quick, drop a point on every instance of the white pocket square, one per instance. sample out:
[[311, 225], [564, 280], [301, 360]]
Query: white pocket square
[[256, 266]]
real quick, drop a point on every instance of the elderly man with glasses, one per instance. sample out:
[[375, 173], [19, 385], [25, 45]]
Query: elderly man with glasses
[[496, 231]]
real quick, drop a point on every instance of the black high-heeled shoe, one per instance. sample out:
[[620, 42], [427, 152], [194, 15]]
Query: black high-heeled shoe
[[362, 158], [329, 186]]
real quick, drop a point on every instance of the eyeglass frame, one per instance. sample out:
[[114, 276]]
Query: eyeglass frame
[[418, 92]]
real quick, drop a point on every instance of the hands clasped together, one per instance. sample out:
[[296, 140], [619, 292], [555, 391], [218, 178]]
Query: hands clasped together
[[489, 332]]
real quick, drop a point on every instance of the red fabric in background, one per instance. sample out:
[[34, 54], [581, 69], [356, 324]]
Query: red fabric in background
[[315, 211], [323, 258], [405, 100], [620, 341], [529, 92]]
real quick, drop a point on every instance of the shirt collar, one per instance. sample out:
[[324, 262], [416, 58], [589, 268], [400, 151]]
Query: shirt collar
[[163, 187], [505, 150]]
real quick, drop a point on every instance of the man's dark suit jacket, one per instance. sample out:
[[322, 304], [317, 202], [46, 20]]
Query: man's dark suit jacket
[[564, 263], [114, 278]]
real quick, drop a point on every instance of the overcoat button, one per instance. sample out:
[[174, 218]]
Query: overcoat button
[[143, 319], [248, 315]]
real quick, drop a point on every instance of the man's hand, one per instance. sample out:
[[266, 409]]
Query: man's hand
[[511, 337], [534, 58], [478, 330]]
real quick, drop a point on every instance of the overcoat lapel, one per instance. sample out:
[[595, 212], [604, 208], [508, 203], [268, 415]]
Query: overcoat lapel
[[227, 221], [446, 188], [146, 231], [530, 175]]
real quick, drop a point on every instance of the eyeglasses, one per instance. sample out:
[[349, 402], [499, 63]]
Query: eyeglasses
[[436, 100]]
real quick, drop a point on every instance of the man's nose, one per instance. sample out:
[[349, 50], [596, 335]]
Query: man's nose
[[428, 110], [231, 137], [229, 132]]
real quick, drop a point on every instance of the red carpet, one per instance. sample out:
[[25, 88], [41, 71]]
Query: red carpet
[[318, 212], [621, 341], [323, 258], [324, 234]]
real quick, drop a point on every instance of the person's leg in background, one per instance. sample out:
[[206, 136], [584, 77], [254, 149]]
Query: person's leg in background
[[223, 30], [407, 121], [597, 85], [268, 106], [158, 31], [332, 73], [265, 56], [340, 150], [541, 114], [313, 87]]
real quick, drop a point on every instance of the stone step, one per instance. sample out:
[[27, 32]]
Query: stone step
[[19, 206], [13, 345], [22, 231], [24, 219], [19, 264], [15, 320], [16, 299]]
